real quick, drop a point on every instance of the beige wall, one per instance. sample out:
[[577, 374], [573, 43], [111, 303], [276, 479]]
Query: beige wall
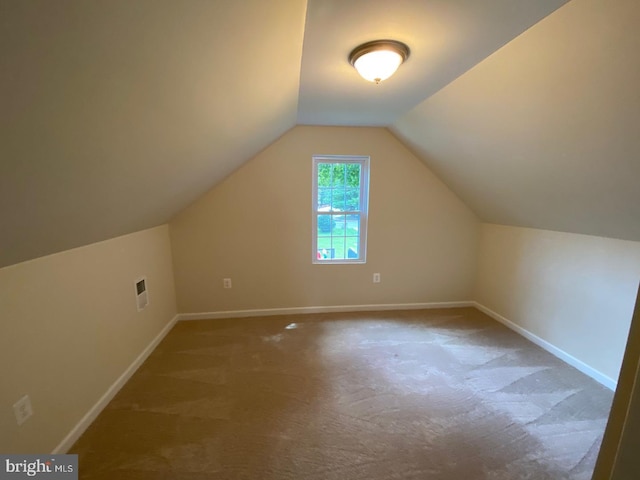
[[577, 292], [70, 328], [255, 228]]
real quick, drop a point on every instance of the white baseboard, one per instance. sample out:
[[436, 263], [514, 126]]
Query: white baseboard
[[93, 413], [561, 354], [329, 309]]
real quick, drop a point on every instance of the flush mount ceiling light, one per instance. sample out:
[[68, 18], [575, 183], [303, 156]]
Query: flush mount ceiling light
[[378, 60]]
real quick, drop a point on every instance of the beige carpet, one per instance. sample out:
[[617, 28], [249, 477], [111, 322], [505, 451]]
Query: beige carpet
[[429, 394]]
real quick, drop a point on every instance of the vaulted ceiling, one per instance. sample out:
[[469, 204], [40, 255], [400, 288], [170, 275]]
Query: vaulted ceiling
[[118, 114], [545, 133], [446, 38]]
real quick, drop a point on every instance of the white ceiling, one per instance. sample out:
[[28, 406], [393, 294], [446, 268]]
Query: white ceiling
[[446, 38], [118, 114]]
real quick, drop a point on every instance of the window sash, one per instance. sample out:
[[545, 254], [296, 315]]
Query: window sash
[[361, 213]]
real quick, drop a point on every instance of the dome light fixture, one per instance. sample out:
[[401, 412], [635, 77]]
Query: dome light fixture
[[377, 60]]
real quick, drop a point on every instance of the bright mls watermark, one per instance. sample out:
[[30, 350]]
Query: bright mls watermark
[[50, 467]]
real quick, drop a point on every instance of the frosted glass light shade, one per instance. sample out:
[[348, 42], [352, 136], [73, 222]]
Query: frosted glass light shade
[[378, 60], [378, 65]]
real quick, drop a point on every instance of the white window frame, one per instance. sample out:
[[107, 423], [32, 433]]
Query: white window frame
[[364, 162]]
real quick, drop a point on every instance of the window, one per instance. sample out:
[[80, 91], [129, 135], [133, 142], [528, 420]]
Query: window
[[340, 200]]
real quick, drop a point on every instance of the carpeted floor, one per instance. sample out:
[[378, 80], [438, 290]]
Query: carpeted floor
[[424, 394]]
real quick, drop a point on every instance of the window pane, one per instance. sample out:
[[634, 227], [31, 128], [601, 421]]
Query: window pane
[[324, 242], [353, 225], [323, 248], [353, 175], [337, 243], [324, 174], [338, 225], [325, 222], [337, 201], [352, 199], [352, 247], [324, 199], [338, 174]]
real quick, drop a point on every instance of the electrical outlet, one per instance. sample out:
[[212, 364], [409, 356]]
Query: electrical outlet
[[376, 278], [22, 409], [226, 282]]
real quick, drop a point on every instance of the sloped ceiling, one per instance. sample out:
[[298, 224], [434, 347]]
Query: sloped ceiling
[[545, 133], [446, 38], [118, 114]]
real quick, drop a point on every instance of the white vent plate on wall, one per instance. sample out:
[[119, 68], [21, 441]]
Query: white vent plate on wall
[[142, 297]]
